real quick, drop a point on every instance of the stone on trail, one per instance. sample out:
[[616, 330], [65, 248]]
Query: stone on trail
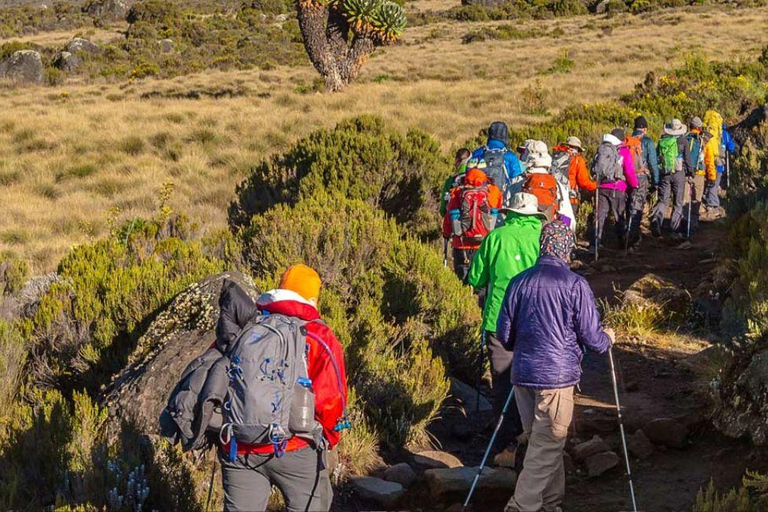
[[455, 482], [401, 473], [23, 67], [383, 493], [639, 445], [436, 459], [653, 291], [599, 463], [467, 396], [667, 432], [583, 451]]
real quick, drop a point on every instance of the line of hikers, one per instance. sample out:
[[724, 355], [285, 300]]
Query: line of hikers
[[271, 391], [685, 166]]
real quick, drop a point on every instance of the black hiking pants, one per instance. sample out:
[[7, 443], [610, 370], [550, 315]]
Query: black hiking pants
[[462, 259], [637, 198], [671, 187], [501, 380], [613, 202]]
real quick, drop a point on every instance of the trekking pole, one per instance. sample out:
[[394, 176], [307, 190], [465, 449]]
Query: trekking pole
[[445, 253], [480, 371], [690, 207], [629, 228], [621, 428], [727, 169], [597, 221], [490, 445], [210, 484]]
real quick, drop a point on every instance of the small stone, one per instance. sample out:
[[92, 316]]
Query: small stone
[[437, 459], [401, 473], [585, 450], [599, 463], [383, 493], [685, 246], [666, 432], [166, 45], [639, 445]]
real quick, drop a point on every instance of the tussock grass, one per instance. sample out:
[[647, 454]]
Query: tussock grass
[[80, 150]]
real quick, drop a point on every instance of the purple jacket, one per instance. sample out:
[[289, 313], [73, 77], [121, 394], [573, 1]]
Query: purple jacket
[[548, 315]]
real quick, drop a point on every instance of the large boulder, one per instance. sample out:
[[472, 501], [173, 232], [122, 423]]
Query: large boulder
[[436, 459], [667, 432], [743, 407], [383, 493], [107, 10], [178, 334], [23, 66], [469, 398], [79, 44], [67, 61]]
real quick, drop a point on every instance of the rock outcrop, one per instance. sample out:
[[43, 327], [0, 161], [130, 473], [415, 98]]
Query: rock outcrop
[[23, 67], [744, 400], [67, 61], [177, 335], [107, 10], [79, 44]]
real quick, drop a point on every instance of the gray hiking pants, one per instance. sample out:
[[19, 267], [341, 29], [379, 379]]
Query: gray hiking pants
[[670, 186], [301, 476], [637, 200], [613, 202], [501, 380], [712, 194]]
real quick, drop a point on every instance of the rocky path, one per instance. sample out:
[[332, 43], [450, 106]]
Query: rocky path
[[659, 381]]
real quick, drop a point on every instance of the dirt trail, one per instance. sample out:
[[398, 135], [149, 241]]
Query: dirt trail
[[655, 382]]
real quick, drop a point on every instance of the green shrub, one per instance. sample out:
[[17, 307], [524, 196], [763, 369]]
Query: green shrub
[[752, 496], [387, 299], [361, 159]]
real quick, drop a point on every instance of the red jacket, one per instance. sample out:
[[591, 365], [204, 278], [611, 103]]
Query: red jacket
[[330, 388]]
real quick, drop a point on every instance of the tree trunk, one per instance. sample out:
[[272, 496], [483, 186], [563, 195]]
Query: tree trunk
[[326, 38]]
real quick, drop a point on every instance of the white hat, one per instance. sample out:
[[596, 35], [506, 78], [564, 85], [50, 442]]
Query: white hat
[[525, 204], [676, 127], [574, 142], [540, 161]]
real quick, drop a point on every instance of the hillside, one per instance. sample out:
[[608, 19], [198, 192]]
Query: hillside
[[133, 186]]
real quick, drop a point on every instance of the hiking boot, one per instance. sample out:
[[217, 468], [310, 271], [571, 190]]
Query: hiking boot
[[655, 230], [506, 458]]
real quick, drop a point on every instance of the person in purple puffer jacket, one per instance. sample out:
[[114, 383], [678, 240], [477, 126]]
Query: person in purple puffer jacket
[[612, 196], [548, 318]]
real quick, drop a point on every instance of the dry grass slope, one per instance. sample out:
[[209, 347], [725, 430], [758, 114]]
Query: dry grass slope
[[73, 157]]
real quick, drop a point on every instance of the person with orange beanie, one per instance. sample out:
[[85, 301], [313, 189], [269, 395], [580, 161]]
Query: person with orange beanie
[[300, 471]]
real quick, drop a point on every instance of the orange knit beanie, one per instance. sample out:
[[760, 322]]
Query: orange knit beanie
[[302, 280]]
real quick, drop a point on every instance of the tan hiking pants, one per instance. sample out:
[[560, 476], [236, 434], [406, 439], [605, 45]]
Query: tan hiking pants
[[546, 415]]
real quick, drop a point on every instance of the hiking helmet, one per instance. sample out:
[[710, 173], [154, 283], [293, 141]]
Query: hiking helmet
[[499, 131]]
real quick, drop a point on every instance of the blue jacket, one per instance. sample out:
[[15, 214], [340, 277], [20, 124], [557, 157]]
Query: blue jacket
[[511, 161], [548, 316], [650, 156], [730, 147]]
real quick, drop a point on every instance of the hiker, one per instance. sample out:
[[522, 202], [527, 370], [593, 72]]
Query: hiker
[[725, 145], [567, 158], [459, 168], [614, 171], [540, 180], [505, 252], [502, 165], [703, 148], [647, 176], [296, 465], [548, 316], [471, 215], [675, 166]]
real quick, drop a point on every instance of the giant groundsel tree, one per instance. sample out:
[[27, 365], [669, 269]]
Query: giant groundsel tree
[[339, 35]]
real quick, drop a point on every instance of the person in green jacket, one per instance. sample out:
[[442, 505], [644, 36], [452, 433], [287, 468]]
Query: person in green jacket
[[460, 168], [505, 252]]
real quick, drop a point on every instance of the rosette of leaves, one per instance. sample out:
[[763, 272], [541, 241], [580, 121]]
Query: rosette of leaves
[[388, 22], [360, 14]]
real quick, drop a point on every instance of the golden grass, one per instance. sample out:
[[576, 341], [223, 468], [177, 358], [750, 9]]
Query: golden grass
[[70, 154]]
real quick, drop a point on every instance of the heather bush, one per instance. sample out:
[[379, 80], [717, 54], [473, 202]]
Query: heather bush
[[360, 159]]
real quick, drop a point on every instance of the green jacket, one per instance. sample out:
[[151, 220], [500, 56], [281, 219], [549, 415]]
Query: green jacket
[[505, 252]]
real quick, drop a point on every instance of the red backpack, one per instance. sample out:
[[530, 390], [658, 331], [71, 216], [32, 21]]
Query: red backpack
[[544, 187], [475, 216]]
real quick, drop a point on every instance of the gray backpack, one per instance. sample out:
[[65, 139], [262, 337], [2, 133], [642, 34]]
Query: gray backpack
[[496, 167], [607, 167], [270, 397]]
